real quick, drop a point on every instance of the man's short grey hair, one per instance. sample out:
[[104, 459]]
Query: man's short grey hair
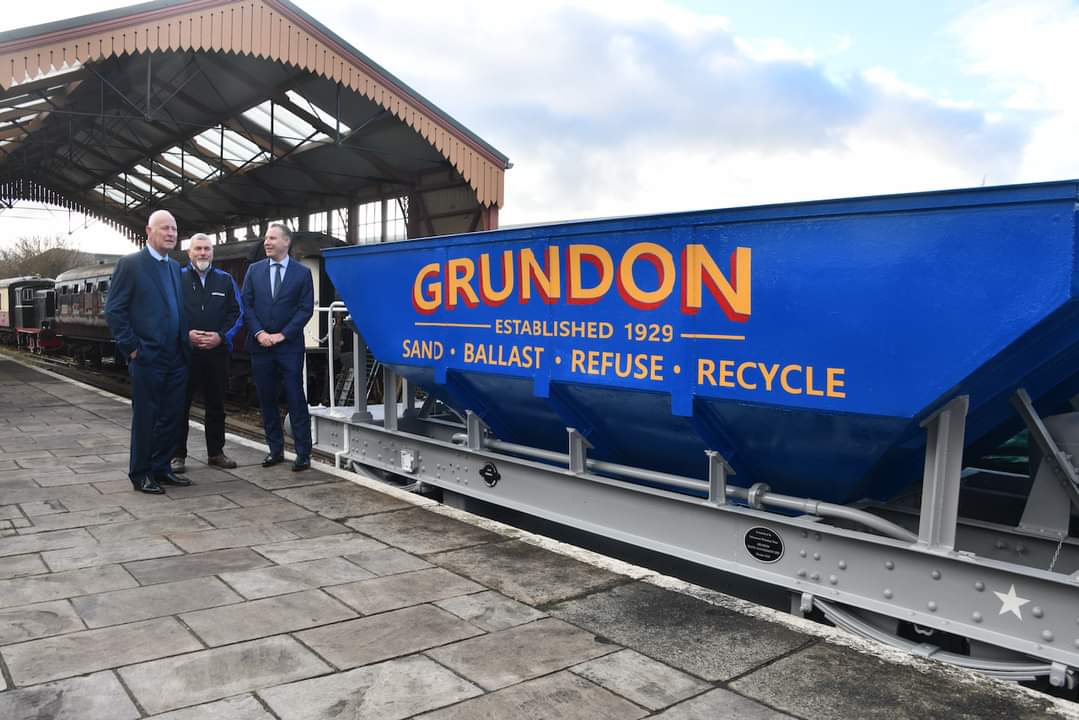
[[284, 230], [200, 236]]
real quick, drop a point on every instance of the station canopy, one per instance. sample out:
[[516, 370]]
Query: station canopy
[[230, 115]]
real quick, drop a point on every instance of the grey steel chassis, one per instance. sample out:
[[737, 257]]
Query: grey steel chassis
[[865, 573]]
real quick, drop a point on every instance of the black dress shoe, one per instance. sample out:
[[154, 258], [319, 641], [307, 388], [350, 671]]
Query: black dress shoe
[[271, 460], [301, 463], [171, 478], [147, 484]]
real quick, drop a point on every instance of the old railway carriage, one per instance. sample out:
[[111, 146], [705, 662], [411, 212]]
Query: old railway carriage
[[23, 318]]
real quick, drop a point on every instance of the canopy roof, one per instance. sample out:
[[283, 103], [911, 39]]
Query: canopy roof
[[226, 113]]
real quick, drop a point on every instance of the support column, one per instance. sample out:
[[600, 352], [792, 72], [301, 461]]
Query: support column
[[352, 232], [941, 480]]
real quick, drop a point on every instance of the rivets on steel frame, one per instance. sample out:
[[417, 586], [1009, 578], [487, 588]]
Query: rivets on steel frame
[[976, 616], [842, 564], [833, 579], [979, 586], [935, 574], [1047, 635], [802, 573], [1036, 611], [889, 564], [888, 593], [932, 605]]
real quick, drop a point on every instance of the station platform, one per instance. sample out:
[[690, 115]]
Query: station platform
[[262, 593]]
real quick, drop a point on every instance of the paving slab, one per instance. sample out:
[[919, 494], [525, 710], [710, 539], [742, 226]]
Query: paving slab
[[495, 660], [43, 507], [117, 532], [54, 478], [21, 545], [313, 527], [397, 591], [281, 579], [151, 601], [275, 512], [422, 532], [63, 521], [388, 561], [56, 586], [92, 697], [228, 483], [202, 541], [82, 652], [294, 551], [200, 677], [281, 476], [243, 707], [8, 512], [388, 635], [342, 500], [644, 681], [490, 610], [29, 622], [527, 573], [269, 616], [109, 553], [391, 690], [834, 683], [710, 642], [199, 504], [562, 696], [20, 565], [242, 454], [720, 704], [149, 572], [251, 496]]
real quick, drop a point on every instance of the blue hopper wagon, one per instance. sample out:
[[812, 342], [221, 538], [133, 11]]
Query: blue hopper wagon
[[798, 393]]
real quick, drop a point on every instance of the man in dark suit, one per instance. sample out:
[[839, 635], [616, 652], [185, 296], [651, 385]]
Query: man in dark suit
[[212, 307], [279, 299], [145, 312]]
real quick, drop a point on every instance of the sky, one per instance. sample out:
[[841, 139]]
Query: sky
[[644, 106]]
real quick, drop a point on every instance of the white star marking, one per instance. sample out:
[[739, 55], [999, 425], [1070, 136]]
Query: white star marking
[[1010, 602]]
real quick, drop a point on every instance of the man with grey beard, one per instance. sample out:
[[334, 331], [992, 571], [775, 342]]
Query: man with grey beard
[[214, 315]]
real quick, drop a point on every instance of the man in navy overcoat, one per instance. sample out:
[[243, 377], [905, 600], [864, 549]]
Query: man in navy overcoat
[[279, 299], [145, 312]]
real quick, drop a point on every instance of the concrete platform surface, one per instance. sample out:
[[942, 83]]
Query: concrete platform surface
[[265, 594]]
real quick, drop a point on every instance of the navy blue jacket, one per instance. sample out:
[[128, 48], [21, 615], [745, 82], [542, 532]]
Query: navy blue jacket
[[287, 313], [136, 305], [215, 307]]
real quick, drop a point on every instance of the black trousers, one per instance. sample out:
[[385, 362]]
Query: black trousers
[[157, 394], [208, 374]]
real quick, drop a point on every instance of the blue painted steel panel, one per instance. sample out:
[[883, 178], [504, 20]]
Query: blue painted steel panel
[[803, 341]]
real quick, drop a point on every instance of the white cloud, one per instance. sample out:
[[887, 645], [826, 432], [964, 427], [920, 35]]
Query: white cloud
[[1028, 52], [613, 108]]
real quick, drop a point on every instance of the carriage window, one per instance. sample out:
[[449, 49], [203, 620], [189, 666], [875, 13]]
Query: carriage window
[[63, 289], [103, 286], [28, 295], [89, 286]]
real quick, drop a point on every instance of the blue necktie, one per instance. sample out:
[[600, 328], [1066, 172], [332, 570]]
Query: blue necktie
[[277, 280], [170, 294]]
